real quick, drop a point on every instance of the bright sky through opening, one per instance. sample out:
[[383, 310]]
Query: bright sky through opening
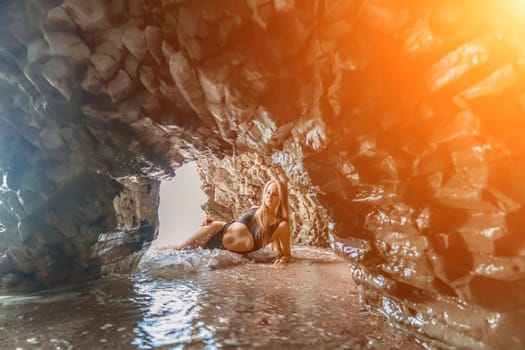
[[180, 212]]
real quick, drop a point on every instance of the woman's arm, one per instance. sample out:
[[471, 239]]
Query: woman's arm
[[276, 246], [282, 238]]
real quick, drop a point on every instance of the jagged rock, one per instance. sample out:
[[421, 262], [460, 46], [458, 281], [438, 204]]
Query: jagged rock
[[50, 138], [131, 65], [68, 45], [12, 201], [6, 264], [23, 32], [154, 40], [21, 259], [37, 50], [187, 83], [148, 78], [33, 73], [89, 16], [92, 81], [59, 19], [134, 40], [397, 127], [105, 65], [24, 231], [59, 72], [120, 87]]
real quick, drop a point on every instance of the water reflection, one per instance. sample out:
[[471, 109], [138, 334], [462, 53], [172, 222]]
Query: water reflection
[[204, 300], [171, 315]]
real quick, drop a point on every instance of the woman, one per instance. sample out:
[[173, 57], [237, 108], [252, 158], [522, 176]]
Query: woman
[[259, 226]]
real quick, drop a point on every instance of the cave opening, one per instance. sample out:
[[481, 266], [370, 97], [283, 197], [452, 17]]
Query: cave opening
[[180, 208]]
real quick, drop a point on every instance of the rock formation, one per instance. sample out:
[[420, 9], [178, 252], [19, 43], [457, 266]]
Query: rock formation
[[396, 124]]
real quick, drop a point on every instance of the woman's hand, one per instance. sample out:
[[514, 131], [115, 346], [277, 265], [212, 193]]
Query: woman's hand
[[282, 260]]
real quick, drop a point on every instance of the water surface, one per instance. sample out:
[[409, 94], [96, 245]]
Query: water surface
[[204, 300]]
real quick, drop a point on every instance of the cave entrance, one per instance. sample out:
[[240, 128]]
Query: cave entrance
[[180, 211]]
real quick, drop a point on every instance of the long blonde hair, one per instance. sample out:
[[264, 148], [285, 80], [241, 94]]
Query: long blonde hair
[[262, 215]]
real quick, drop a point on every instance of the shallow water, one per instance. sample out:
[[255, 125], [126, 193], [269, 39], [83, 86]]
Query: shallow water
[[204, 300]]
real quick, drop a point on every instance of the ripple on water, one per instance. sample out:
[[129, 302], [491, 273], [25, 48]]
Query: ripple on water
[[231, 301], [204, 299], [170, 263], [172, 291], [172, 310]]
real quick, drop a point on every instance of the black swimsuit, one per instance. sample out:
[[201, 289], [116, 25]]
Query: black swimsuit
[[216, 240], [248, 219]]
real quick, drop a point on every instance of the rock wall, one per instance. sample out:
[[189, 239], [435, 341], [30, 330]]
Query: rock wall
[[400, 122], [79, 231]]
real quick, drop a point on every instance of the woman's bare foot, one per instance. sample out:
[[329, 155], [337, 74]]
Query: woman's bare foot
[[168, 247]]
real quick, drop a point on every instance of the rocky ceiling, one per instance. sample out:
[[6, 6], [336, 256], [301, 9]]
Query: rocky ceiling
[[397, 125]]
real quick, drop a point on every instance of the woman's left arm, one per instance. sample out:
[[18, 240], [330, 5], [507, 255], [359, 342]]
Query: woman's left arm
[[283, 239]]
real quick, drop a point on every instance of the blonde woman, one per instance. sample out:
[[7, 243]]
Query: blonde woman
[[259, 226]]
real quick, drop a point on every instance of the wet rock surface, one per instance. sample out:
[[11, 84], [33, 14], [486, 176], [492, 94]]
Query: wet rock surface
[[397, 125]]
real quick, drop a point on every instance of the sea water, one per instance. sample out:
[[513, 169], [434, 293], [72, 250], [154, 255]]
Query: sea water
[[204, 299]]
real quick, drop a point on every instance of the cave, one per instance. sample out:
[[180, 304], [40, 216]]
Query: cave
[[397, 126]]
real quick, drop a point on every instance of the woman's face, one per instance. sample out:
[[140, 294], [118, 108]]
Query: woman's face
[[271, 197]]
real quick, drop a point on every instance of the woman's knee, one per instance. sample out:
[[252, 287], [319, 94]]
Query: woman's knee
[[216, 225]]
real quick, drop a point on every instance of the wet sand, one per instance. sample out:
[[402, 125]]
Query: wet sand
[[219, 302]]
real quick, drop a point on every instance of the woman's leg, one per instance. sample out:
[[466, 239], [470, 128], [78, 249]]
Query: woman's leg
[[202, 236]]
